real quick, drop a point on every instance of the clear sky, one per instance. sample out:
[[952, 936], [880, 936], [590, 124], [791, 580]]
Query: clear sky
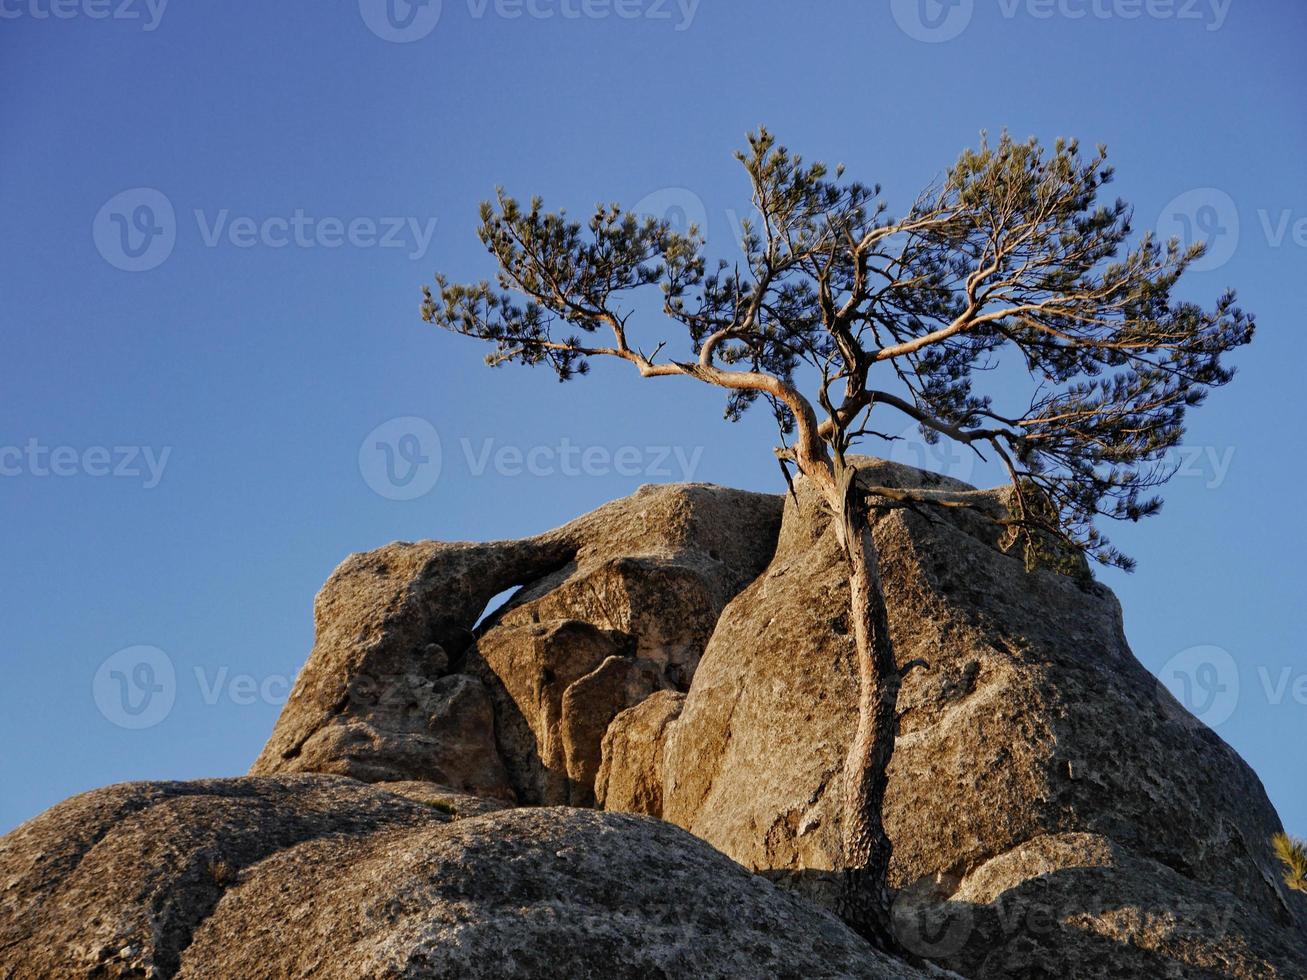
[[217, 217]]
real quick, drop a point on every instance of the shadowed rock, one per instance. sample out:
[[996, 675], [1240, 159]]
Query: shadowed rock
[[1030, 718], [630, 772], [115, 882], [322, 876]]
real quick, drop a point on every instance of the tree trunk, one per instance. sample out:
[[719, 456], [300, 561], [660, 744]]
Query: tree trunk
[[865, 902]]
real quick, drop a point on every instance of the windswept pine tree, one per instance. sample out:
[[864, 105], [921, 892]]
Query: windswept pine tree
[[839, 314], [1293, 855]]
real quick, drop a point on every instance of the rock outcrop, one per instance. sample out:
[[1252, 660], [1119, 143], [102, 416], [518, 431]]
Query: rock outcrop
[[1026, 720], [323, 876], [403, 684], [683, 653], [379, 698]]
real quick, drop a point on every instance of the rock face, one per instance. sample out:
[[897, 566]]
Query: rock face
[[323, 876], [631, 774], [685, 654], [1083, 905], [403, 685], [378, 699], [1029, 730]]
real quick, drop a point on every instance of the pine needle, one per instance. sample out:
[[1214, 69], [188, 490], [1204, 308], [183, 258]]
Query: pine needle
[[1293, 855]]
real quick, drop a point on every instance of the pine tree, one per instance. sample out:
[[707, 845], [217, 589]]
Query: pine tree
[[838, 314]]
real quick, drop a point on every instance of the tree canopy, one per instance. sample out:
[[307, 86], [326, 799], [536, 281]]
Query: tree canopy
[[836, 308]]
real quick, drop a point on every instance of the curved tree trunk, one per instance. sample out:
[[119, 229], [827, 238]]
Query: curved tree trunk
[[865, 902]]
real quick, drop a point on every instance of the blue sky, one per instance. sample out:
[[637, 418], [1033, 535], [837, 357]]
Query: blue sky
[[218, 218]]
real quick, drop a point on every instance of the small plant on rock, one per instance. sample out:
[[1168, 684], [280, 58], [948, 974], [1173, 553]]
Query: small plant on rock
[[222, 873], [1293, 855]]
